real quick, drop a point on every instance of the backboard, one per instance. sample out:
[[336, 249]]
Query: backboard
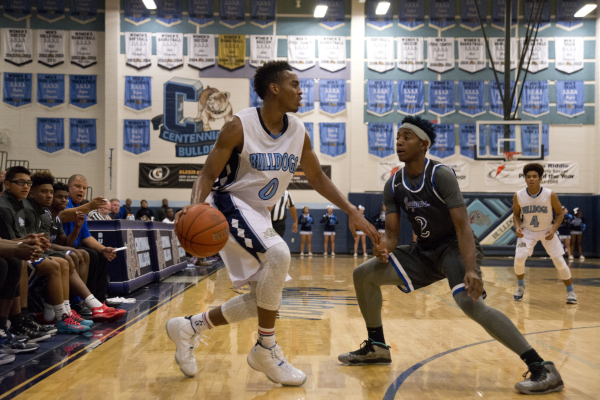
[[518, 139]]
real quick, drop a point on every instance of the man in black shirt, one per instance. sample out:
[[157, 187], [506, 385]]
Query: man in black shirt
[[161, 212]]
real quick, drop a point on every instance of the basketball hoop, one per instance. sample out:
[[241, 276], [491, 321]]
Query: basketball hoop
[[511, 155]]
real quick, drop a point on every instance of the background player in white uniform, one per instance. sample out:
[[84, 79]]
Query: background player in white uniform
[[246, 172], [535, 204]]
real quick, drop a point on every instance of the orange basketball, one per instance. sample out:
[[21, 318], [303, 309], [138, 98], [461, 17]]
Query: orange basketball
[[202, 230]]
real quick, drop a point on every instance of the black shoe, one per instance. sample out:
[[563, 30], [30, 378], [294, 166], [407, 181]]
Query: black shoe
[[31, 324], [8, 344], [370, 353], [83, 310], [112, 304], [20, 328]]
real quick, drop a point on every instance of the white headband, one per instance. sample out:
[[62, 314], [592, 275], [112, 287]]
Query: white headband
[[417, 131]]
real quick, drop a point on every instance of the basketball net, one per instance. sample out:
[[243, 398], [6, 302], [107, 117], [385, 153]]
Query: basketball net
[[511, 158]]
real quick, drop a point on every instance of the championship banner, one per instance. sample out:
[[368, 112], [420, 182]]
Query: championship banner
[[82, 135], [83, 11], [536, 98], [440, 53], [168, 12], [135, 12], [138, 92], [168, 176], [411, 97], [468, 14], [570, 98], [411, 14], [444, 141], [379, 22], [50, 10], [138, 49], [441, 98], [471, 98], [335, 14], [333, 138], [51, 90], [332, 96], [496, 106], [497, 50], [301, 52], [310, 128], [201, 51], [468, 140], [565, 11], [82, 91], [169, 50], [50, 134], [471, 54], [299, 181], [256, 101], [232, 51], [538, 51], [16, 90], [381, 139], [262, 12], [556, 173], [380, 97], [18, 46], [380, 53], [50, 47], [529, 10], [530, 140], [201, 12], [442, 14], [17, 10], [462, 172], [568, 54], [499, 11], [497, 132], [308, 96], [232, 13], [136, 136], [263, 49], [84, 48], [410, 54], [332, 52]]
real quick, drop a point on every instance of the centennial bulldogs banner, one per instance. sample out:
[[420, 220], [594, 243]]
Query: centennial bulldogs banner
[[499, 10], [168, 12], [440, 53], [18, 10], [497, 50], [471, 98], [538, 52], [82, 91], [380, 97], [411, 97], [496, 132], [333, 138], [84, 50], [201, 51], [138, 49], [232, 13], [136, 136], [570, 98], [262, 12], [411, 14], [468, 140], [332, 96], [50, 47], [135, 12], [308, 96], [256, 101], [531, 13], [200, 12], [83, 11], [565, 11], [301, 52], [18, 45], [471, 54], [468, 14], [169, 50], [332, 52], [232, 51], [530, 140], [410, 54], [442, 14], [51, 90], [379, 22], [496, 106], [82, 135], [381, 139], [335, 15], [51, 10], [380, 53], [444, 141], [16, 89], [168, 176], [50, 134], [441, 98], [536, 99], [138, 92], [569, 54], [556, 173], [310, 128], [262, 49]]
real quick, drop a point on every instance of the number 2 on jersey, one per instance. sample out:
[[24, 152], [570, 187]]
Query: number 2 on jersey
[[534, 221], [423, 223], [269, 190]]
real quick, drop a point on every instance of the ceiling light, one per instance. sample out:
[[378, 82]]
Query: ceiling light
[[320, 11], [382, 7], [150, 5], [585, 10]]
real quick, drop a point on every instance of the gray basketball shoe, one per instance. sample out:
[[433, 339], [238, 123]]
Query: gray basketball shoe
[[544, 379], [518, 296], [370, 353], [571, 298]]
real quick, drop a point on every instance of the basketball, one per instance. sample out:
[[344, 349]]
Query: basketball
[[202, 230]]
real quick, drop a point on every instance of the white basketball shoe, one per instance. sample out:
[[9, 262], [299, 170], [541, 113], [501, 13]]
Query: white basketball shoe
[[181, 332], [272, 363]]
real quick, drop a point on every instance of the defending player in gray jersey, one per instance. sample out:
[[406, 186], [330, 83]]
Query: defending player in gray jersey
[[428, 193]]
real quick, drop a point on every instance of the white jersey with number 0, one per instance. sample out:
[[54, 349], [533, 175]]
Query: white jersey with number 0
[[536, 209], [262, 171]]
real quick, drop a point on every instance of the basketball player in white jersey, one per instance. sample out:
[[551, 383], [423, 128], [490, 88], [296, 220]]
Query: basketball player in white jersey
[[534, 205], [247, 172]]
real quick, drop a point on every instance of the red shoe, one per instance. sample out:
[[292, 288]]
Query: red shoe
[[107, 314], [40, 319]]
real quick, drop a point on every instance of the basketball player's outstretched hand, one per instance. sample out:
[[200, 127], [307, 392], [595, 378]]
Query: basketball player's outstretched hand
[[473, 285], [184, 210], [358, 222], [519, 232]]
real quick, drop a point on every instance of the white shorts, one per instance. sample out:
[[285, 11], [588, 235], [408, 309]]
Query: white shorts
[[305, 233], [576, 233], [251, 233], [360, 233], [525, 245], [328, 233], [564, 237]]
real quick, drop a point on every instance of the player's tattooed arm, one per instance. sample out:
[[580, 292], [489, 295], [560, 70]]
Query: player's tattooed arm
[[466, 245], [557, 207], [517, 216]]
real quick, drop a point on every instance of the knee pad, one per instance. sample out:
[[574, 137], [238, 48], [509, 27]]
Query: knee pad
[[276, 264], [240, 308], [520, 264], [564, 272]]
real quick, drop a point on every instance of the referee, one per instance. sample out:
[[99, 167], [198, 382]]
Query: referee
[[278, 214]]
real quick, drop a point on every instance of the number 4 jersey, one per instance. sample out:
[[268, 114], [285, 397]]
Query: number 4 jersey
[[262, 171], [536, 209]]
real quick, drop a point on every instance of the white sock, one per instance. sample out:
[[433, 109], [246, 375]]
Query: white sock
[[59, 311], [67, 307], [266, 336], [92, 302], [201, 322], [48, 312]]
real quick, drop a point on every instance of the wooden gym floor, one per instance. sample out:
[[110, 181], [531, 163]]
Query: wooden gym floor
[[437, 352]]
